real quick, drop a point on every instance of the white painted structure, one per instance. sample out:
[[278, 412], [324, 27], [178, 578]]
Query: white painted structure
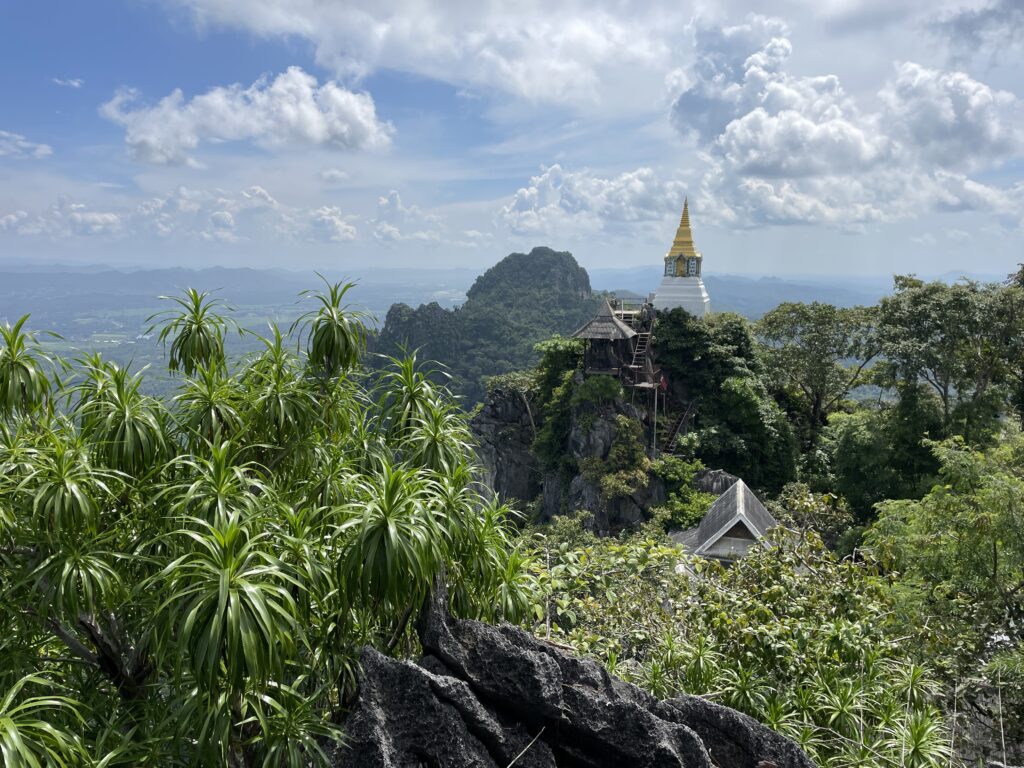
[[682, 285]]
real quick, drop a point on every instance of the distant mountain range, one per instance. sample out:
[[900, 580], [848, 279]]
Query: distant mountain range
[[60, 297], [753, 296]]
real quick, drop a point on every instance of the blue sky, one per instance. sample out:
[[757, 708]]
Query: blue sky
[[812, 137]]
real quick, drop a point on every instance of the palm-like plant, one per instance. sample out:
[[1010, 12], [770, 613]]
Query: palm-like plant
[[23, 384], [922, 740], [216, 486], [437, 438], [335, 333], [197, 328], [292, 728], [284, 404], [126, 427], [288, 512], [392, 543], [407, 395], [28, 736], [229, 604], [78, 576], [65, 489], [210, 405]]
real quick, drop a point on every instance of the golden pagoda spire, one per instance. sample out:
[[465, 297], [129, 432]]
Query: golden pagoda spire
[[683, 244]]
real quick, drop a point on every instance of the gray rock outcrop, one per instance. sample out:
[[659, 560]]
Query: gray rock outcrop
[[496, 696], [716, 481], [504, 430]]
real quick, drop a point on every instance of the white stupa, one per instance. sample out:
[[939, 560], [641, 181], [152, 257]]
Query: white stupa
[[681, 286]]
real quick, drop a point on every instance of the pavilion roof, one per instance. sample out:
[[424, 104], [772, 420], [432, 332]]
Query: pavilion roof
[[605, 325], [737, 504]]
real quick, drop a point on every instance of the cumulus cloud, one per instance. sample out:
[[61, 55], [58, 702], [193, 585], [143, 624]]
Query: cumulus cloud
[[10, 222], [576, 202], [184, 213], [395, 221], [63, 219], [782, 148], [952, 119], [73, 82], [17, 146], [330, 224], [290, 110], [85, 222], [574, 51]]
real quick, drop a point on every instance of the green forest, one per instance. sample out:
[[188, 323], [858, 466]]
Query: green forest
[[188, 580]]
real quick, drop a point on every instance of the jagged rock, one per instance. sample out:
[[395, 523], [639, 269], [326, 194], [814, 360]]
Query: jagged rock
[[716, 481], [484, 694], [554, 499], [591, 440], [585, 494], [504, 431], [620, 512]]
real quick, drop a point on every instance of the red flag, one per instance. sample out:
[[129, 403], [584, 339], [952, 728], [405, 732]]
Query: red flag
[[663, 382]]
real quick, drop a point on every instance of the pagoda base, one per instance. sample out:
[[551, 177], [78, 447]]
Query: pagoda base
[[686, 292]]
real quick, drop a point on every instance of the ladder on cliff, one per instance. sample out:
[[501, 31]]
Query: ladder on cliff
[[673, 433], [677, 427], [643, 341]]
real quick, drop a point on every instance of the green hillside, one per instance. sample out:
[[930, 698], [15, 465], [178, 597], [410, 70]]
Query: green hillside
[[521, 300]]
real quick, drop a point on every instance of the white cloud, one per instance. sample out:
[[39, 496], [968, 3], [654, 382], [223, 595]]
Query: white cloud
[[951, 119], [85, 222], [73, 82], [574, 52], [789, 149], [64, 219], [396, 221], [330, 224], [333, 175], [557, 201], [17, 146], [290, 110], [210, 215], [10, 222]]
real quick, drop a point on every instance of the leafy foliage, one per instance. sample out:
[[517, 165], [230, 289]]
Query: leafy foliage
[[790, 635], [189, 582], [737, 426], [959, 556], [684, 506], [807, 347]]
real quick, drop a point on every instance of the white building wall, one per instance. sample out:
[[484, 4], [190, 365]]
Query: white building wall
[[686, 292]]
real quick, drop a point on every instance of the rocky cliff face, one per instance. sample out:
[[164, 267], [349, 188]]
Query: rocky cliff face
[[505, 428], [496, 696], [592, 435]]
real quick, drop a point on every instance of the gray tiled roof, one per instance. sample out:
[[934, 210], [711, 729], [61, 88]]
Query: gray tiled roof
[[738, 503], [686, 539], [605, 325]]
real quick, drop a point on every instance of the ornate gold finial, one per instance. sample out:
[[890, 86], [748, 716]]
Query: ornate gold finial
[[683, 244]]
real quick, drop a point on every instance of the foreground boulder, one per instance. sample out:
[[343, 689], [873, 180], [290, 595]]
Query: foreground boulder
[[496, 696]]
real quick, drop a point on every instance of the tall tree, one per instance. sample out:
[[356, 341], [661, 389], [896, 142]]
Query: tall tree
[[950, 337], [817, 353]]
